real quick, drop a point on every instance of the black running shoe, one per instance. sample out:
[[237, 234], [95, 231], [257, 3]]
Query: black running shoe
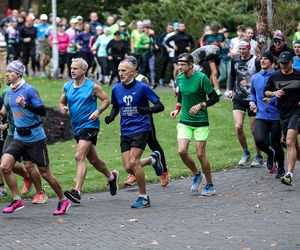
[[113, 185], [73, 195]]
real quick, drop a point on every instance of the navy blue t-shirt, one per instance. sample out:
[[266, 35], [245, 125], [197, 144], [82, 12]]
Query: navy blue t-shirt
[[128, 99]]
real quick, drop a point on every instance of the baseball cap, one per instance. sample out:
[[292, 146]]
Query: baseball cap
[[122, 23], [278, 35], [79, 18], [73, 20], [43, 17], [285, 57], [99, 27]]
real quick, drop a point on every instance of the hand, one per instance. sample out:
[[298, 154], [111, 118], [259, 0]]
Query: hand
[[188, 48], [252, 106], [245, 83], [94, 115], [21, 100], [110, 58], [147, 46], [63, 109], [174, 113], [143, 110], [108, 119], [3, 127], [279, 93], [230, 94], [175, 47], [193, 110], [27, 40], [267, 100]]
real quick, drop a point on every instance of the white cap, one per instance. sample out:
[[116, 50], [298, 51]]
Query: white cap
[[139, 24], [122, 23], [99, 27], [43, 17]]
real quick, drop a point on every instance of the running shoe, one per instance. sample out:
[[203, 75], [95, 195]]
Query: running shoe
[[141, 202], [245, 160], [26, 186], [280, 174], [157, 165], [40, 198], [287, 180], [271, 159], [62, 207], [73, 195], [258, 161], [164, 179], [273, 170], [15, 205], [113, 184], [208, 190], [3, 191], [197, 182], [131, 181]]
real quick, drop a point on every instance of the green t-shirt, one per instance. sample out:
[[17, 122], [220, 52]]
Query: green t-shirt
[[10, 118], [194, 90], [143, 41]]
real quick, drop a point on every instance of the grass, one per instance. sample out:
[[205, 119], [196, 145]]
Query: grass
[[223, 150]]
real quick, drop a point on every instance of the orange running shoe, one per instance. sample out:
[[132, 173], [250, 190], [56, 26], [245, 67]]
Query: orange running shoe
[[26, 186], [40, 198], [164, 179], [131, 181]]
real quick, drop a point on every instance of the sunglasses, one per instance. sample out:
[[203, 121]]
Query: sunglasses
[[277, 41]]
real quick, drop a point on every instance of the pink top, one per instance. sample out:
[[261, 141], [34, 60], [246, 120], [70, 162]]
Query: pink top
[[63, 42]]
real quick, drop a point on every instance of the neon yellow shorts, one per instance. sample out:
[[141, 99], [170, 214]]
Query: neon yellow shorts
[[187, 132]]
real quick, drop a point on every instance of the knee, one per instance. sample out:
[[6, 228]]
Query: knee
[[239, 129], [183, 153], [201, 156], [290, 142], [45, 174], [5, 168], [79, 157], [128, 169], [133, 163]]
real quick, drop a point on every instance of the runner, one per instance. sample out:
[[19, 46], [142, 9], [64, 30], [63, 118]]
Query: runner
[[157, 159], [267, 119], [194, 86], [285, 85], [131, 98], [242, 68], [79, 96], [29, 137]]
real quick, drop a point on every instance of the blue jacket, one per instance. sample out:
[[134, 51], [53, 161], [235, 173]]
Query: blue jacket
[[263, 110]]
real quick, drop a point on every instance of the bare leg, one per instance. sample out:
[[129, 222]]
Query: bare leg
[[34, 176], [183, 146], [239, 117], [200, 149], [97, 162], [47, 175], [6, 167], [291, 143]]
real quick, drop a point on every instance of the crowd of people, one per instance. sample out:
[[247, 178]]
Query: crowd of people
[[262, 82]]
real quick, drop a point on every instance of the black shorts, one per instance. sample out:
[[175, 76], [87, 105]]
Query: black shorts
[[88, 134], [35, 152], [242, 105], [292, 122], [1, 147], [7, 141], [138, 140]]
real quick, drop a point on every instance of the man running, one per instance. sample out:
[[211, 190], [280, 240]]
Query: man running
[[79, 96], [29, 137], [285, 85], [267, 119], [243, 67], [131, 98], [194, 86]]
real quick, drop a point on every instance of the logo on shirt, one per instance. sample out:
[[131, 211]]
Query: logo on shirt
[[127, 99]]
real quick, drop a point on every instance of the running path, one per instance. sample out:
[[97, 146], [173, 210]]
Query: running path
[[251, 210]]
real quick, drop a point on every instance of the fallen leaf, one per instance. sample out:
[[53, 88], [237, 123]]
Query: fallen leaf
[[288, 211], [257, 205], [274, 244], [206, 232], [133, 220], [154, 242]]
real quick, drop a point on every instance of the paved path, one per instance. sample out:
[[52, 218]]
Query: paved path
[[251, 210]]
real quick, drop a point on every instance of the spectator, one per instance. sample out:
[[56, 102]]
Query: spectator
[[279, 45], [297, 34], [72, 33], [234, 45]]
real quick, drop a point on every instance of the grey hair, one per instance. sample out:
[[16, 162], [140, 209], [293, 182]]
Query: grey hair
[[126, 60], [83, 64]]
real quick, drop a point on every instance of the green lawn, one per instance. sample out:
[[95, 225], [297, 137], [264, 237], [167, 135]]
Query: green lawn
[[223, 150]]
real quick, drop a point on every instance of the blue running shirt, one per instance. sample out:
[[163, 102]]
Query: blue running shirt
[[82, 103], [23, 117], [128, 99]]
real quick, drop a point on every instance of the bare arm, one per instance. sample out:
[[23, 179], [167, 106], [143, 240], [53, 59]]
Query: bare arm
[[99, 93], [63, 102]]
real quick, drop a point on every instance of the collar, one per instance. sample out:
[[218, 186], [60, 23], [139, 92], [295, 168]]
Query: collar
[[19, 84], [130, 85]]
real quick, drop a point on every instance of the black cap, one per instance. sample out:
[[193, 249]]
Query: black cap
[[285, 57], [117, 33], [268, 54]]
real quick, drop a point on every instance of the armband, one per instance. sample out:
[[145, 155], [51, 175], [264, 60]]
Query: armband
[[100, 110], [178, 107]]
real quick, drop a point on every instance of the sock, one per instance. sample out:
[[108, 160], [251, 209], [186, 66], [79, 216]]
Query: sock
[[246, 152], [198, 173], [290, 173], [1, 184], [144, 196], [111, 178], [153, 161]]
